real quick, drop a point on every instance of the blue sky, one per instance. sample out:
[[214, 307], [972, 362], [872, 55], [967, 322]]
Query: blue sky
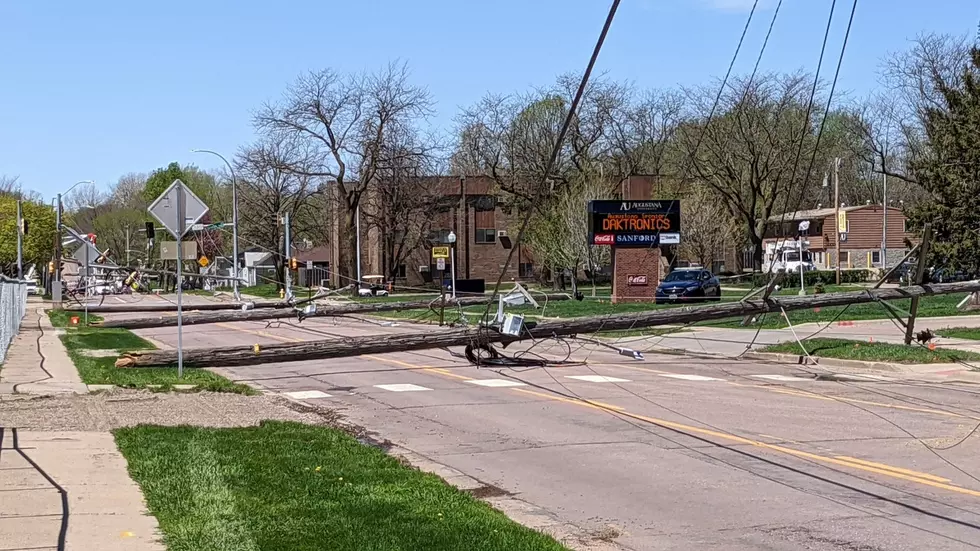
[[93, 90]]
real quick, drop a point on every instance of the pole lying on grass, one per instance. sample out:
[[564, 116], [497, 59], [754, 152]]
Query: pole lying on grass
[[377, 344], [289, 312]]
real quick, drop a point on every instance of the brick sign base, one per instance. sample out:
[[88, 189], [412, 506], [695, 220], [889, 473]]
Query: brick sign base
[[627, 265]]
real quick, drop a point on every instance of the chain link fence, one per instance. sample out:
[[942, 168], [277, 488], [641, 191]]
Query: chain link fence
[[13, 306]]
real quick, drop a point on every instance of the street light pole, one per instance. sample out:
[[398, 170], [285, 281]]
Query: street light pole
[[452, 262], [234, 217], [20, 242]]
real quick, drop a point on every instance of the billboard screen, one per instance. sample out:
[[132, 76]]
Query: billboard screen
[[635, 223]]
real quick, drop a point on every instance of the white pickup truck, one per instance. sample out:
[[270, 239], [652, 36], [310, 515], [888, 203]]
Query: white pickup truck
[[788, 260]]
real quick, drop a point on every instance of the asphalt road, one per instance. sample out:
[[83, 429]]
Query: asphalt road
[[670, 452]]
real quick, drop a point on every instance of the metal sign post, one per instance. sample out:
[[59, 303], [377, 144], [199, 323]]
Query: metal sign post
[[177, 209]]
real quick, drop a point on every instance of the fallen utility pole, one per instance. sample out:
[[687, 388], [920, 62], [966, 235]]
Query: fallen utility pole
[[170, 307], [289, 312], [379, 344]]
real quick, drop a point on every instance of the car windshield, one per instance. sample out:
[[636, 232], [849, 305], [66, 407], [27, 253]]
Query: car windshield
[[794, 256], [682, 275]]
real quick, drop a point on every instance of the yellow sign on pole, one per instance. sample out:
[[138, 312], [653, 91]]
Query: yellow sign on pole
[[842, 221], [440, 252], [203, 261]]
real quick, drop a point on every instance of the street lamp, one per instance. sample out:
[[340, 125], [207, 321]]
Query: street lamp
[[56, 297], [451, 238], [234, 217]]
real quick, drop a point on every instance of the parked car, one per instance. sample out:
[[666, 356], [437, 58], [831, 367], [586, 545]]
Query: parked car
[[688, 284]]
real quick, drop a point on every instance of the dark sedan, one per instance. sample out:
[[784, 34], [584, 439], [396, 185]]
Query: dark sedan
[[688, 284]]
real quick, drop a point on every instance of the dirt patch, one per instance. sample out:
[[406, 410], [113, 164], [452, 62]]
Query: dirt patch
[[122, 408], [487, 491]]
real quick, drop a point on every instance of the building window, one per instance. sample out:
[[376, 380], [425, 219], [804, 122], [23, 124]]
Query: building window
[[526, 269], [439, 236], [486, 236], [401, 273], [876, 257], [845, 258]]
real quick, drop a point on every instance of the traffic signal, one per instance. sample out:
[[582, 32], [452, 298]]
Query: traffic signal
[[293, 264], [51, 267]]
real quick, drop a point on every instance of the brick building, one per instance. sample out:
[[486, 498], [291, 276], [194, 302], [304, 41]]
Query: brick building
[[860, 245], [484, 224]]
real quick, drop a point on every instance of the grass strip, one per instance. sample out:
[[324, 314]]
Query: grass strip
[[287, 486], [102, 370], [845, 349]]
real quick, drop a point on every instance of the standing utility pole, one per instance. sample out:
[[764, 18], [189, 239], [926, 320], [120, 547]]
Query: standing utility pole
[[127, 247], [20, 242], [884, 221], [287, 275], [357, 237], [837, 210], [56, 284], [920, 277]]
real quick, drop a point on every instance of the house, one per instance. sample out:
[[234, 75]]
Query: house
[[861, 244]]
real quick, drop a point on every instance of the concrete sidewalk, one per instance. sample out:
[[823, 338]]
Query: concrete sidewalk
[[69, 489], [37, 362]]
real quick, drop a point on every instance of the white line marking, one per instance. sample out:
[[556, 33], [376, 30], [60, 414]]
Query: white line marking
[[403, 387], [495, 382], [598, 379], [687, 377], [861, 378], [307, 394], [120, 300], [785, 378]]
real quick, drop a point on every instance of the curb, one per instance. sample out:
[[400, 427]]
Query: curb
[[825, 362]]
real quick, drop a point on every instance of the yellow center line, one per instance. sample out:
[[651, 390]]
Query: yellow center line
[[842, 461], [578, 402], [916, 474]]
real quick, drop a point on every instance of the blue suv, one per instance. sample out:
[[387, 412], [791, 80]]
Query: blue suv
[[688, 285]]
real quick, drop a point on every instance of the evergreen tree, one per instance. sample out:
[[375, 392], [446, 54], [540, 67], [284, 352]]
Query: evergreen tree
[[949, 170]]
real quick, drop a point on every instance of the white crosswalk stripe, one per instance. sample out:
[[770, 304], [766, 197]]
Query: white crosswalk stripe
[[597, 379], [687, 377], [495, 382], [402, 387], [784, 378], [306, 394]]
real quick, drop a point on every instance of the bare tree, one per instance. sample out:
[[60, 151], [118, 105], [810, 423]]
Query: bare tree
[[754, 153], [707, 225], [268, 190], [345, 123], [643, 132]]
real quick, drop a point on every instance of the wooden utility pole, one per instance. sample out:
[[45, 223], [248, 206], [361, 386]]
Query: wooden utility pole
[[381, 344], [286, 312], [920, 277], [837, 213]]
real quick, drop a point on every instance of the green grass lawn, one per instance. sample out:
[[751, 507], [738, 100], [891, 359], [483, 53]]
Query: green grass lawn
[[970, 333], [266, 290], [873, 352], [287, 486], [102, 371]]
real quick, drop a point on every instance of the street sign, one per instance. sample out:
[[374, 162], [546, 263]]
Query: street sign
[[440, 252], [440, 263], [203, 262], [168, 250], [164, 209], [309, 264]]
